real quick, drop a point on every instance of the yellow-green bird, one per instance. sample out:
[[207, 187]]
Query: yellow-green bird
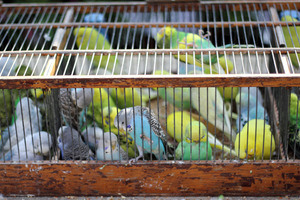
[[201, 134], [100, 101], [174, 121], [291, 38], [265, 143], [90, 38]]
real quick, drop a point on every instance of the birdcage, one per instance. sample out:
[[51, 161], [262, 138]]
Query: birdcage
[[153, 98]]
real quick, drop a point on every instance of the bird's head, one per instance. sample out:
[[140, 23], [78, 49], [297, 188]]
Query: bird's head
[[196, 132], [165, 32], [123, 119]]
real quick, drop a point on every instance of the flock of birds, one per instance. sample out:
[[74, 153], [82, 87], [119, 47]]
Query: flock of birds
[[116, 124]]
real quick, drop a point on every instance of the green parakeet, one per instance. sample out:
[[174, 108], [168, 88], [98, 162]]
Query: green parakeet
[[122, 95], [260, 131], [199, 151], [195, 136], [99, 99], [212, 107], [169, 37], [291, 39], [90, 38]]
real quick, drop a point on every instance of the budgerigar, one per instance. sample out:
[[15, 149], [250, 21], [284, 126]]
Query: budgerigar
[[169, 37], [72, 102], [96, 17], [200, 134], [101, 100], [72, 146], [175, 119], [37, 146], [108, 148], [255, 111], [193, 151], [90, 38], [293, 13], [145, 130], [28, 120], [292, 38], [92, 135], [259, 134], [209, 103]]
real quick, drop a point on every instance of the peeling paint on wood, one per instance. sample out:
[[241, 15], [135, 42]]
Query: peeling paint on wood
[[154, 179]]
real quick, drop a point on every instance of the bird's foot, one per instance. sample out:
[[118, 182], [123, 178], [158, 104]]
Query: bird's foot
[[201, 34], [135, 159]]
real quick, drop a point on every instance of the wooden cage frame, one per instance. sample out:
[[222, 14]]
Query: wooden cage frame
[[164, 178]]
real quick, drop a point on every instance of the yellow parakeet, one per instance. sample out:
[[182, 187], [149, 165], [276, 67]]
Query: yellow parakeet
[[294, 40], [90, 38], [264, 140], [171, 122]]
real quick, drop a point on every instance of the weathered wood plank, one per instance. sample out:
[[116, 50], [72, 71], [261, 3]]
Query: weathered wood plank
[[138, 81], [165, 179]]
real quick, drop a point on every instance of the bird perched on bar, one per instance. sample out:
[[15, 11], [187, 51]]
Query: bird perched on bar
[[101, 99], [28, 119], [72, 146], [257, 134], [33, 147], [292, 38], [90, 38], [256, 109], [108, 148], [196, 132], [209, 103], [92, 135], [73, 104], [169, 37], [145, 130]]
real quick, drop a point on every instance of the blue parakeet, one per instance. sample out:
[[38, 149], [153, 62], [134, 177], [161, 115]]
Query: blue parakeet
[[145, 130], [254, 113]]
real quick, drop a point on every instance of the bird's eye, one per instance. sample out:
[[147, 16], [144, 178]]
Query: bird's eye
[[122, 122]]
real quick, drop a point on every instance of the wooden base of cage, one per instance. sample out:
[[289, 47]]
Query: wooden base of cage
[[151, 179]]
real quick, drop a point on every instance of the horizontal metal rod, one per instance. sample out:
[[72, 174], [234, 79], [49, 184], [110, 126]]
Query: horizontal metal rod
[[110, 3], [151, 24], [151, 81], [151, 51]]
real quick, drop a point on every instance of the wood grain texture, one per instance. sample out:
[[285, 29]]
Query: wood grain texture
[[164, 179], [142, 81]]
